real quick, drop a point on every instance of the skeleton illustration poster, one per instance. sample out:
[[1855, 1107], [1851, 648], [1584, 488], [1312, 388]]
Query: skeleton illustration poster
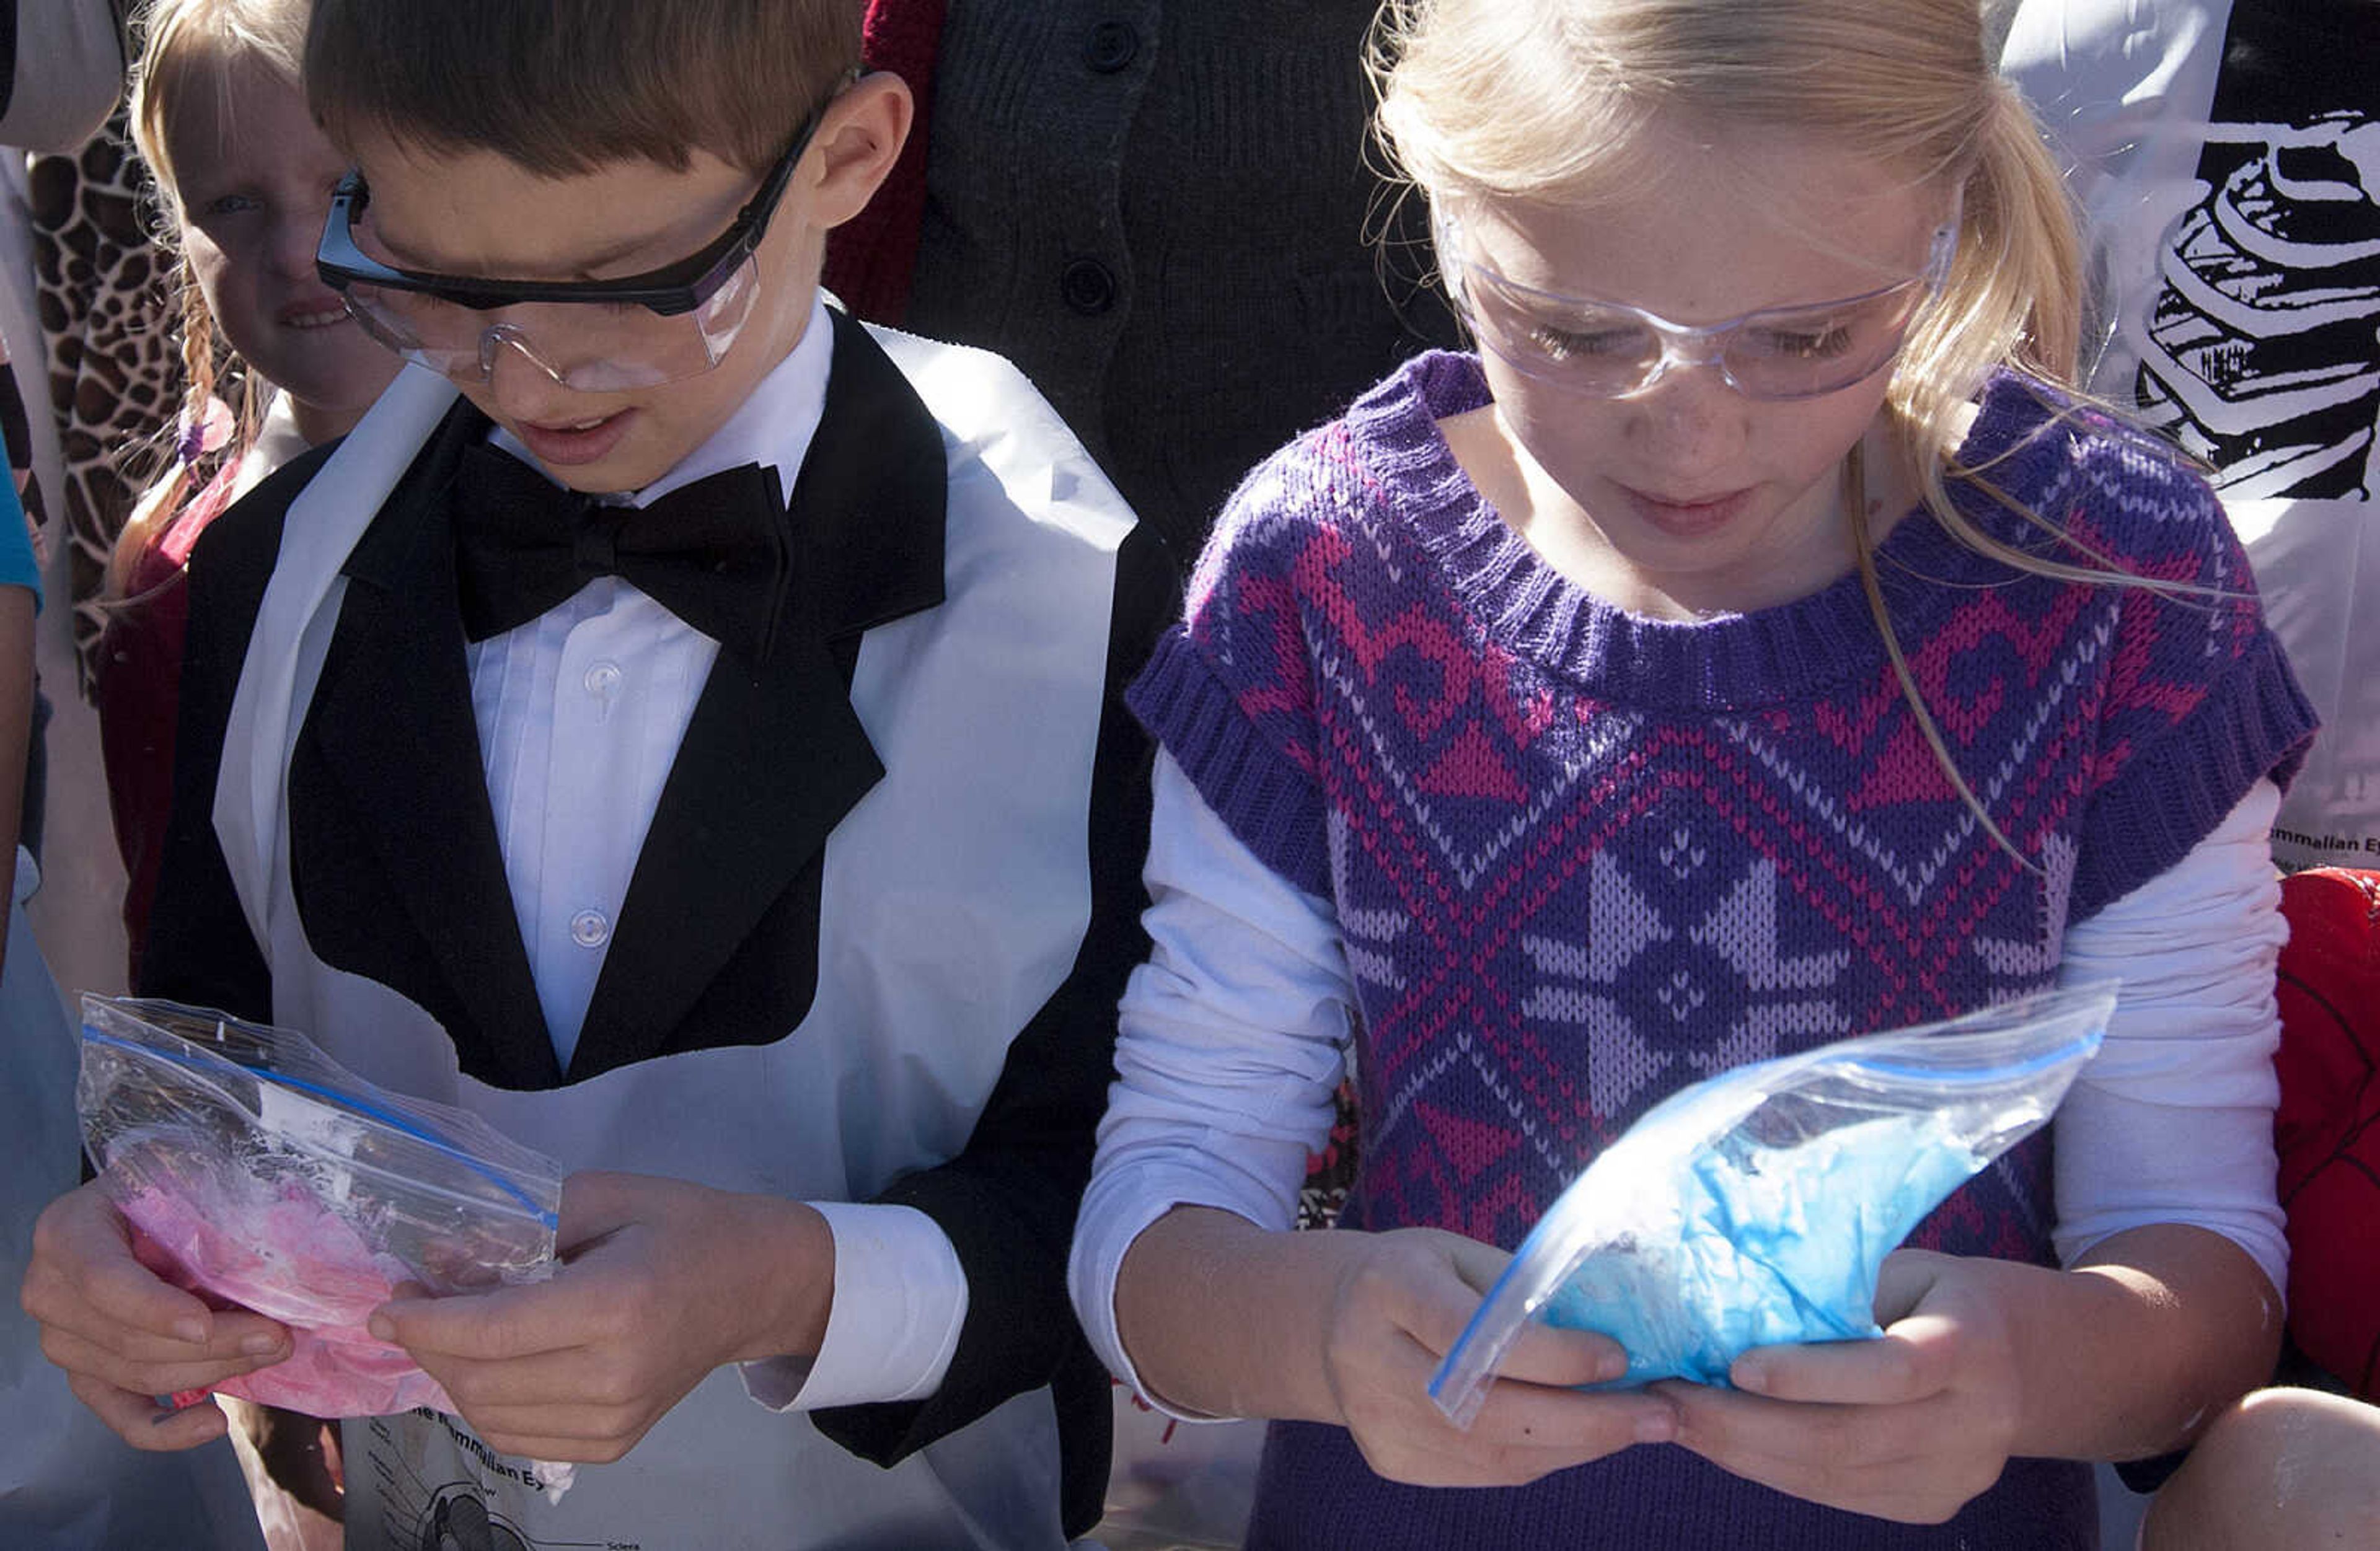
[[2228, 158]]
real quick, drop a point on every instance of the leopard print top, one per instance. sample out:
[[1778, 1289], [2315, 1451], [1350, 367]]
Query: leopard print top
[[107, 311]]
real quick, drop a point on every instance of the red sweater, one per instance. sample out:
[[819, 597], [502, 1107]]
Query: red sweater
[[137, 685], [2329, 1127]]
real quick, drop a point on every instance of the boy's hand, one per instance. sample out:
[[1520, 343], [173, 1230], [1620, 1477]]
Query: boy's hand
[[124, 1336], [662, 1282], [1910, 1427], [1397, 1312]]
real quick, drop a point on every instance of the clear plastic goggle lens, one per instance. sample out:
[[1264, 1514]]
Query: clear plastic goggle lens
[[1611, 350], [588, 347]]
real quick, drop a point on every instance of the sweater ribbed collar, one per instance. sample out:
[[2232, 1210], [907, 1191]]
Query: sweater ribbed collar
[[1727, 663]]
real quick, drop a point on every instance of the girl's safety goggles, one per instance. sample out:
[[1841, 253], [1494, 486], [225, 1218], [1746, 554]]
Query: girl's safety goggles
[[1606, 349], [591, 336]]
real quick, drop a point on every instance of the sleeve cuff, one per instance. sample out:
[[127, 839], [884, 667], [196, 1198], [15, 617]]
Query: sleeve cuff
[[900, 1299]]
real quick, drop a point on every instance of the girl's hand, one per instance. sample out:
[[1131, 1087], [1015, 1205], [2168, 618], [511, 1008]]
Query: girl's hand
[[663, 1281], [124, 1336], [1399, 1305], [1910, 1427]]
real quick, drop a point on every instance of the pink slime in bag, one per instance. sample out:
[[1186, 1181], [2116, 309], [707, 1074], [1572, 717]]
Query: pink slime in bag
[[277, 1250], [259, 1173]]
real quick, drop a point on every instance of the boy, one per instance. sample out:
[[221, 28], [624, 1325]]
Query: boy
[[752, 862]]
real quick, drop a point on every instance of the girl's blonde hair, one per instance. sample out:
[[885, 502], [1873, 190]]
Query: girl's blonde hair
[[185, 45], [1549, 101]]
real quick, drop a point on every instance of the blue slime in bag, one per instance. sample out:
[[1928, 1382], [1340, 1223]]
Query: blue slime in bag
[[1755, 1207]]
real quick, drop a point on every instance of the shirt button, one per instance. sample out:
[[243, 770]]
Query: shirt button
[[602, 679], [1088, 286], [589, 928], [1109, 46]]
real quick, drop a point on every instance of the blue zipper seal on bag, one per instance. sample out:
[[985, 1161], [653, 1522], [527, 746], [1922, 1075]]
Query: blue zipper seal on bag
[[396, 1122]]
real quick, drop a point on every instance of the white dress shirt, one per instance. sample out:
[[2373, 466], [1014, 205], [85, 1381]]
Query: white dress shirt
[[580, 712], [1234, 1037]]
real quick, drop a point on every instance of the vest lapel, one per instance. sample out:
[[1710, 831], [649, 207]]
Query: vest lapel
[[393, 726], [775, 756]]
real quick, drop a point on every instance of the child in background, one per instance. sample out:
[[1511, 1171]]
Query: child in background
[[1750, 646], [244, 179]]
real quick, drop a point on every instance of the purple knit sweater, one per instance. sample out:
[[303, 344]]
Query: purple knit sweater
[[1582, 858]]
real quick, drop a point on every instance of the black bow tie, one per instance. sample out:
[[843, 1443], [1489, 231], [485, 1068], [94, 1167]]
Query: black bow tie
[[713, 552]]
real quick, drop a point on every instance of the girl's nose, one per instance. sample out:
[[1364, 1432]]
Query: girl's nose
[[296, 236], [1691, 421]]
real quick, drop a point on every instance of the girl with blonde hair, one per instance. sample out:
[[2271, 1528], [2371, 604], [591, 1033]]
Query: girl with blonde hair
[[1752, 645], [243, 179]]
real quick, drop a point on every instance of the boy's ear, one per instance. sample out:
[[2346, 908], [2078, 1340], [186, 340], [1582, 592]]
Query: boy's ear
[[857, 143]]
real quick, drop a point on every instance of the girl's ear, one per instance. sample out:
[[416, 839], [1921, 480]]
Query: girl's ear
[[857, 143]]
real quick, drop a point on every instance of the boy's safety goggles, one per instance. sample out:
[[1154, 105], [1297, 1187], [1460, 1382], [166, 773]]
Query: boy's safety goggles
[[1606, 349], [590, 336]]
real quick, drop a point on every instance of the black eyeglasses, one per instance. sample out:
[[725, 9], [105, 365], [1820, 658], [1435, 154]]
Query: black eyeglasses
[[593, 335]]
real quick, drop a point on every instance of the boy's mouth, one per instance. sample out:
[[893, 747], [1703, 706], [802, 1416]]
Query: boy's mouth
[[570, 443]]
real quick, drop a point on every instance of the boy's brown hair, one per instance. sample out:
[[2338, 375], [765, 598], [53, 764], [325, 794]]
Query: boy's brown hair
[[565, 86]]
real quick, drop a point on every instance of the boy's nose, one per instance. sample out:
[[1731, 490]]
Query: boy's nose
[[522, 385]]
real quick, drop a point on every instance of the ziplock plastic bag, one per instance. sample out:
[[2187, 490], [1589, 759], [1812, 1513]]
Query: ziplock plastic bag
[[1755, 1207], [259, 1172]]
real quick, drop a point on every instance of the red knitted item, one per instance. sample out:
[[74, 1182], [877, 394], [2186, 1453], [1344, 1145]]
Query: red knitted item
[[2329, 1127], [870, 257]]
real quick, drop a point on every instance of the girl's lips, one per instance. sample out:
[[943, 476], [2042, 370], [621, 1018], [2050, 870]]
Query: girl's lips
[[314, 313], [575, 442], [1690, 516]]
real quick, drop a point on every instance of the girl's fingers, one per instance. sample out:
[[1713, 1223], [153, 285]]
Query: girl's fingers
[[1915, 1359], [1906, 1277], [1476, 1264], [1728, 1427], [1438, 1292], [1564, 1359], [1411, 1286], [1593, 1425], [1867, 1460], [1522, 1432]]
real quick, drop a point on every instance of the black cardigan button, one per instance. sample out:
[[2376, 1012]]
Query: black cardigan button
[[1109, 46], [1088, 286]]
